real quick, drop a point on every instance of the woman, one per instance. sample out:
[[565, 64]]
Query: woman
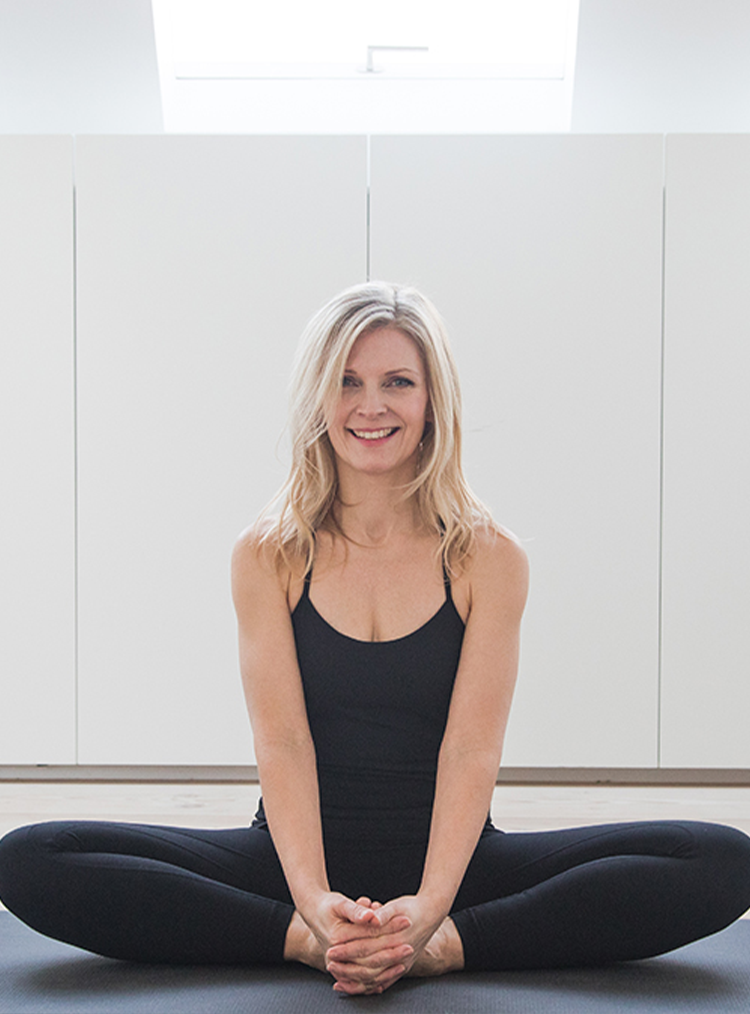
[[379, 620]]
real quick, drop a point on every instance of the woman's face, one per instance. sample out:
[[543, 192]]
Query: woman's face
[[383, 406]]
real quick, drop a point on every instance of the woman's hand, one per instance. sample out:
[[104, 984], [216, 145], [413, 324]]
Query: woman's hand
[[335, 920], [388, 950]]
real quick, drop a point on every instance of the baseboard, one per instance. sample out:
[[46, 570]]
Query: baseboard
[[237, 774]]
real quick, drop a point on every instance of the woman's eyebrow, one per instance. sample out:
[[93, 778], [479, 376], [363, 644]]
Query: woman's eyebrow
[[388, 373]]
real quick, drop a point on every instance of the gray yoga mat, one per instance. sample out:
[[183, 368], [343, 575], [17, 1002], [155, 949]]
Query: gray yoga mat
[[41, 976]]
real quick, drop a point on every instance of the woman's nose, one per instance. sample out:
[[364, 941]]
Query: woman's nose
[[371, 402]]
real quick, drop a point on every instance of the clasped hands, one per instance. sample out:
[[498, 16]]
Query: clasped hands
[[371, 945]]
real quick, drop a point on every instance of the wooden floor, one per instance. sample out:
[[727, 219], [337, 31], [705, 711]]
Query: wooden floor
[[514, 808]]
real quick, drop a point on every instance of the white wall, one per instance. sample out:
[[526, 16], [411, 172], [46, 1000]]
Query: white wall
[[78, 66], [195, 257], [37, 452], [706, 634], [662, 66]]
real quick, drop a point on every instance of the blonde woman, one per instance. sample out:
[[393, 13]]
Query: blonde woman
[[379, 620]]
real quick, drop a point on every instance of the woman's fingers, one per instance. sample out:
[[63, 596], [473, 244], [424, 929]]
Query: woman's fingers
[[365, 948], [354, 912], [354, 987], [368, 963], [390, 921], [354, 948], [350, 931]]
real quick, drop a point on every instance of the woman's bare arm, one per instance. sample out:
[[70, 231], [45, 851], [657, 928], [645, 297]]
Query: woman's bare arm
[[283, 743], [273, 691], [473, 741]]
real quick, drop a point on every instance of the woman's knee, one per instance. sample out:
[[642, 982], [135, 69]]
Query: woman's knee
[[724, 846], [723, 857], [15, 849], [25, 862]]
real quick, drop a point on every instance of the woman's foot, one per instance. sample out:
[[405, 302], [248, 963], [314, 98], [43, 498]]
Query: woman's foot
[[302, 945], [443, 952]]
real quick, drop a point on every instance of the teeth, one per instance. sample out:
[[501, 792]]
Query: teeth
[[373, 434]]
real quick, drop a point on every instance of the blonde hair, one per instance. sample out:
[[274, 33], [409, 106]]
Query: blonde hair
[[442, 496]]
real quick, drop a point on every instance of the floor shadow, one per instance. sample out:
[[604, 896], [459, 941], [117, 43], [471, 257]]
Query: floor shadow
[[89, 976]]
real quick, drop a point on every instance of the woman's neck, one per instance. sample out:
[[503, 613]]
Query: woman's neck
[[372, 513]]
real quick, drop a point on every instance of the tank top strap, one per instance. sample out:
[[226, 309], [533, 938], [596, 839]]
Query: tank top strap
[[447, 583], [306, 587]]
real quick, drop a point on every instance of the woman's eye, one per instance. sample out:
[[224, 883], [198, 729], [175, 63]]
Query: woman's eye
[[402, 382], [348, 382]]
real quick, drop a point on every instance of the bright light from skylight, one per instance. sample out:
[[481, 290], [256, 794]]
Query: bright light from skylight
[[328, 66], [330, 38]]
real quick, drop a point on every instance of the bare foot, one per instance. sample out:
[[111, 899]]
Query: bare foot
[[302, 945], [443, 952]]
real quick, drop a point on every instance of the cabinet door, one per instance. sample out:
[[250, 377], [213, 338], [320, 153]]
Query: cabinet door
[[37, 506], [200, 259], [706, 638], [544, 255]]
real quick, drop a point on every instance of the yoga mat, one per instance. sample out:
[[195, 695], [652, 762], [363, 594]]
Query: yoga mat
[[41, 976]]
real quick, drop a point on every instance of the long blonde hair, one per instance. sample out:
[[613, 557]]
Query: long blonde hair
[[442, 496]]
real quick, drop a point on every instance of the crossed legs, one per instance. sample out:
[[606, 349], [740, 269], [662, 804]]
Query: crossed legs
[[582, 896]]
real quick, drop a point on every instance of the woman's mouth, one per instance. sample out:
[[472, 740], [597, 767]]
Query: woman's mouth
[[370, 435]]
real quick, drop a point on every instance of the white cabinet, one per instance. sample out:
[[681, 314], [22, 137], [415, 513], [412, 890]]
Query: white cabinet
[[544, 255], [200, 260], [706, 606], [37, 505]]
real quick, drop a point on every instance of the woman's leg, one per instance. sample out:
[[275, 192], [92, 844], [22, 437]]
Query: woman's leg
[[146, 893], [596, 895]]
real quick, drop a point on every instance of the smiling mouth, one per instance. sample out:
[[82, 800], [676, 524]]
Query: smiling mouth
[[374, 434]]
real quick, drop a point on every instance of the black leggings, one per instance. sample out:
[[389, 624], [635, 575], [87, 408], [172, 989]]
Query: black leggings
[[583, 896]]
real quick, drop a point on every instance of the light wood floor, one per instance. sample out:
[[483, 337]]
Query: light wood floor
[[514, 807]]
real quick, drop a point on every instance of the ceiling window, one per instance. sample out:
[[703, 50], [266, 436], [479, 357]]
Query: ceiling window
[[390, 39]]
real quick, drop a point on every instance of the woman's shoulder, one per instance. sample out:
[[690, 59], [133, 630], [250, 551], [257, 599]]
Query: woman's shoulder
[[496, 539], [259, 567], [256, 545], [497, 570]]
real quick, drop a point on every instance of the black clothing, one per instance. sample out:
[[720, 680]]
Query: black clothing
[[582, 896], [377, 713]]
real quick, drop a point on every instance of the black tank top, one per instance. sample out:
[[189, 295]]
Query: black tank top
[[377, 712]]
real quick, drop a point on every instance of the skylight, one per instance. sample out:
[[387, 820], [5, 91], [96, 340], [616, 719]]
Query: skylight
[[359, 67], [396, 39]]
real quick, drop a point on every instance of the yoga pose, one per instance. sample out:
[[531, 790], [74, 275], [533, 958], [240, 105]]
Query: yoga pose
[[379, 619]]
